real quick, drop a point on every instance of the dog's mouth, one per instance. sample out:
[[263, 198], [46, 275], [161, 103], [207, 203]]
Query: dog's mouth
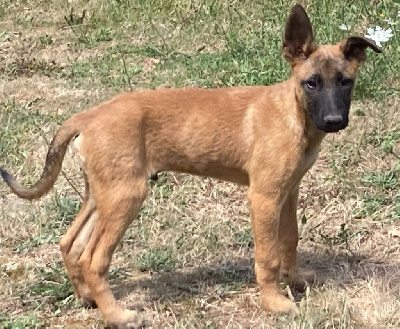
[[332, 128]]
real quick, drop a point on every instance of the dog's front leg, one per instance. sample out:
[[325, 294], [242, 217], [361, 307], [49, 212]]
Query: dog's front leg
[[265, 215], [288, 240]]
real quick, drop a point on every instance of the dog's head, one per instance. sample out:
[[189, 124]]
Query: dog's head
[[323, 75]]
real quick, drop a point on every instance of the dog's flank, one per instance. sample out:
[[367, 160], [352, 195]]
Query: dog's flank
[[263, 137]]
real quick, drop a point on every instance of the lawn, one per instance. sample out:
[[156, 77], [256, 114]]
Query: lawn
[[187, 261]]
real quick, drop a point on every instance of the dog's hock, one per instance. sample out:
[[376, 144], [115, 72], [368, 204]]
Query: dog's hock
[[298, 42]]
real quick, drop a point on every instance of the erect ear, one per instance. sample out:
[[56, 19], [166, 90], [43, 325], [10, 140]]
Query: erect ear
[[353, 48], [298, 41]]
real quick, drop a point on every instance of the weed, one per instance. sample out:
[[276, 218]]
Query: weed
[[46, 40], [22, 322], [244, 237], [156, 260], [52, 289], [382, 180]]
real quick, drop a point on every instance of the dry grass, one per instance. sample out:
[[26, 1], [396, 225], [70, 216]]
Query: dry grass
[[187, 260]]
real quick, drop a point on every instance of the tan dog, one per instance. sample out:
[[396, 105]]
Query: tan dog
[[264, 137]]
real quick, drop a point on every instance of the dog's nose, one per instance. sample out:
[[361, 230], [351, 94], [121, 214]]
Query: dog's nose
[[333, 119]]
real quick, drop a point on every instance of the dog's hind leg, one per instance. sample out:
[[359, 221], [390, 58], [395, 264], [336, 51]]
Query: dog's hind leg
[[288, 240], [74, 242], [117, 204]]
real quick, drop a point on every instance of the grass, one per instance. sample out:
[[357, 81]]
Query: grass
[[187, 260]]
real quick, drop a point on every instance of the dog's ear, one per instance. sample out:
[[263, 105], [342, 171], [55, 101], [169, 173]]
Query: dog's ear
[[298, 41], [353, 48]]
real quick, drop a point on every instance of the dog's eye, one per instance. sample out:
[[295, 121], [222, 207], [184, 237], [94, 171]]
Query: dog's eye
[[347, 82], [311, 84]]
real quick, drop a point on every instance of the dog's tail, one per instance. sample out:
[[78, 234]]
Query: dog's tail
[[52, 168]]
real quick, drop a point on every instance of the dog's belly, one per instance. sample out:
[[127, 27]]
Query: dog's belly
[[199, 155], [233, 175], [222, 168]]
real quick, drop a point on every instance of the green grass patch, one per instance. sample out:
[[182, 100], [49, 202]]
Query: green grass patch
[[158, 259], [22, 322]]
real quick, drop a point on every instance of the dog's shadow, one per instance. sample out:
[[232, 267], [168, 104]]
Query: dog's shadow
[[238, 274], [182, 283]]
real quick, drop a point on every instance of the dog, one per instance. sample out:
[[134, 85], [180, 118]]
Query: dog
[[266, 137]]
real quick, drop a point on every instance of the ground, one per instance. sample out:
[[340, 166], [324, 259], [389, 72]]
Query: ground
[[187, 261]]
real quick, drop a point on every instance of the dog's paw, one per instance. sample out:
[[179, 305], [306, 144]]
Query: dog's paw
[[278, 304], [299, 278], [87, 302], [129, 319]]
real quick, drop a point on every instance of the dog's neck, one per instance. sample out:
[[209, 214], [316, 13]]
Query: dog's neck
[[311, 133], [295, 111], [311, 136]]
